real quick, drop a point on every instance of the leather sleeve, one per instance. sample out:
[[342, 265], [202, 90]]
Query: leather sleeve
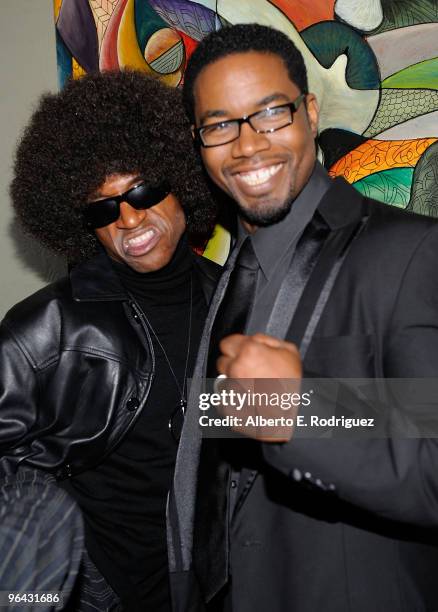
[[18, 393]]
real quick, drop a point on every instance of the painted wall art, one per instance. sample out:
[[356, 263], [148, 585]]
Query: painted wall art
[[373, 65]]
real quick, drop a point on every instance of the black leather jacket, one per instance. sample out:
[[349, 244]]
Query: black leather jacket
[[76, 367]]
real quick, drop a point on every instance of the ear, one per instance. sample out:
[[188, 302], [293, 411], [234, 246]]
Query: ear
[[312, 109], [192, 130]]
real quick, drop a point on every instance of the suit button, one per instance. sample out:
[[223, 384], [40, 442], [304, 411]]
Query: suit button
[[296, 475], [132, 404]]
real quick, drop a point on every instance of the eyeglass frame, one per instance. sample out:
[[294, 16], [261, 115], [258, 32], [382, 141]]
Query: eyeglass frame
[[293, 107]]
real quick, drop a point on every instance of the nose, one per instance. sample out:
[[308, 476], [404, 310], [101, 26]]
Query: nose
[[249, 142], [129, 216]]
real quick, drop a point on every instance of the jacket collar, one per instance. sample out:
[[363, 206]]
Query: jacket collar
[[95, 280], [341, 205]]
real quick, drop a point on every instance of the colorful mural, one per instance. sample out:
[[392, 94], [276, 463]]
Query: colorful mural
[[373, 65]]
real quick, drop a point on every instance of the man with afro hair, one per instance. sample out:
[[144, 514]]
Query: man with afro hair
[[94, 367]]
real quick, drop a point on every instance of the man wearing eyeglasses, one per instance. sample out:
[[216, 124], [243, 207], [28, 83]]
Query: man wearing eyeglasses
[[324, 280], [94, 368]]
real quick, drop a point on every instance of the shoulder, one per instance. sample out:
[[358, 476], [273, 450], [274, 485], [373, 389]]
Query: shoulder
[[387, 229], [393, 250], [39, 315], [33, 309], [396, 237], [382, 216], [394, 219], [34, 325]]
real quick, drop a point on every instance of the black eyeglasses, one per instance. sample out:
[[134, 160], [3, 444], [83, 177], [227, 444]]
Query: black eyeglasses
[[103, 212], [265, 121]]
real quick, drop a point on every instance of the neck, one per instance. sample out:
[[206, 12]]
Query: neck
[[160, 284], [251, 229]]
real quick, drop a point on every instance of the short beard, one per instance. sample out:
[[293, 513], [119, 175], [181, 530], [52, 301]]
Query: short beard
[[265, 217]]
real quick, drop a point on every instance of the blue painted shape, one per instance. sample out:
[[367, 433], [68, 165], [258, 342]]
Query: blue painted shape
[[64, 61], [329, 39]]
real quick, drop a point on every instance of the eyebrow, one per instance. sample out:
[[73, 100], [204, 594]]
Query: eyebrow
[[212, 114], [274, 97]]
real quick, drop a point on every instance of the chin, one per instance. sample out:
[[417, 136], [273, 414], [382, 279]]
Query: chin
[[154, 264], [265, 214]]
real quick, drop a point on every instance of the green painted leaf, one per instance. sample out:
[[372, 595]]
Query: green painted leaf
[[421, 75], [389, 186]]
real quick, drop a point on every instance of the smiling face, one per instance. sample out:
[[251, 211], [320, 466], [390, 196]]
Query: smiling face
[[263, 173], [146, 239]]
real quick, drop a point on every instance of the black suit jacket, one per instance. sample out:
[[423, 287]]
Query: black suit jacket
[[339, 525]]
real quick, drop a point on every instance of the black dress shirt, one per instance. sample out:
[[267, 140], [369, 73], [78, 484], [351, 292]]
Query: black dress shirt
[[274, 247]]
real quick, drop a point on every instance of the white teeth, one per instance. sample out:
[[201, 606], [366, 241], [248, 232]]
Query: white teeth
[[140, 239], [257, 177]]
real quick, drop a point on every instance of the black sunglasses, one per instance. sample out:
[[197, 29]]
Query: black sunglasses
[[103, 212]]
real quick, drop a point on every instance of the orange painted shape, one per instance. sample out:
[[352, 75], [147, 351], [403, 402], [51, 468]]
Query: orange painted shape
[[377, 155], [160, 42], [304, 13], [56, 8]]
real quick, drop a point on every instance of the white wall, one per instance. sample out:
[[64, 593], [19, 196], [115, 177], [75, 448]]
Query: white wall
[[27, 68]]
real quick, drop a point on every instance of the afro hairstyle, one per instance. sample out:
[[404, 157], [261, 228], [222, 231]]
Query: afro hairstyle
[[103, 124], [242, 38]]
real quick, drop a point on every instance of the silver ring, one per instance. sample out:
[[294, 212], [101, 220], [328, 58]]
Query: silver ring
[[216, 384]]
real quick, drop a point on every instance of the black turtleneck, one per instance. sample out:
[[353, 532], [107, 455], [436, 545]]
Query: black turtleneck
[[124, 498]]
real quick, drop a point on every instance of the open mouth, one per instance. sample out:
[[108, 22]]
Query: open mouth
[[254, 178], [142, 243]]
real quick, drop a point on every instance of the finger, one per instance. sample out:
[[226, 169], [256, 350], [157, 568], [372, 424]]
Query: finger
[[231, 345], [223, 365], [274, 342]]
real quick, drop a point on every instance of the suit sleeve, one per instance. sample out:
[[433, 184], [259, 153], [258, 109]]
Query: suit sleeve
[[393, 478]]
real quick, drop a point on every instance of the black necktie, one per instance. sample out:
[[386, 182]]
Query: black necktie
[[233, 312]]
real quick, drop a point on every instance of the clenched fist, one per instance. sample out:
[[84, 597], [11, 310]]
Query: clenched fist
[[269, 368], [258, 356]]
